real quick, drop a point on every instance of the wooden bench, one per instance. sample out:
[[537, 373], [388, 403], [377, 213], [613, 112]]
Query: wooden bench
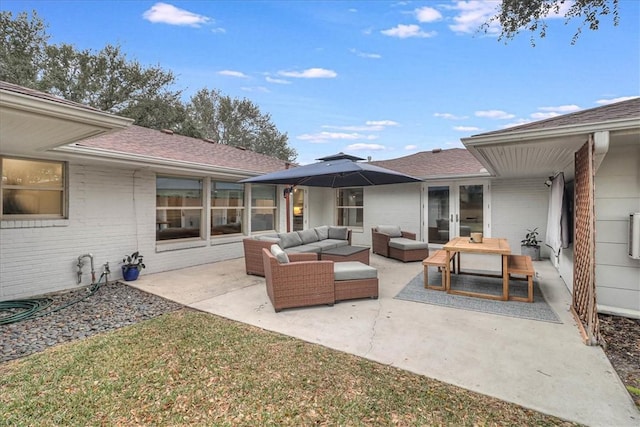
[[438, 259], [521, 265]]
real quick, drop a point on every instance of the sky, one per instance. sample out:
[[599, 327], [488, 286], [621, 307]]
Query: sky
[[379, 79]]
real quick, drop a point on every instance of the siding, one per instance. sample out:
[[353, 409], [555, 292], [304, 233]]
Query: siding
[[617, 193]]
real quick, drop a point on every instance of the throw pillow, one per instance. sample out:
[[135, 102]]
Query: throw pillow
[[340, 233], [322, 232], [391, 230], [308, 236], [288, 240], [280, 255]]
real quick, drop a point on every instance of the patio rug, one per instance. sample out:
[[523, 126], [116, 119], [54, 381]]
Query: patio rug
[[537, 310]]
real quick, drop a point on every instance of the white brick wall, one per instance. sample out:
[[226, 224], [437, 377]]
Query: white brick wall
[[111, 213]]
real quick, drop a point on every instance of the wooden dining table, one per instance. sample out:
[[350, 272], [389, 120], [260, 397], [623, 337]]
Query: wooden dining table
[[489, 246]]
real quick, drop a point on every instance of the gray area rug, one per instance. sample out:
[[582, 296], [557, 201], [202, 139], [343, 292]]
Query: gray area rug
[[537, 310]]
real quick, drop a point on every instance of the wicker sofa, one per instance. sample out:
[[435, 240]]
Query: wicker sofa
[[300, 280], [391, 242], [313, 240]]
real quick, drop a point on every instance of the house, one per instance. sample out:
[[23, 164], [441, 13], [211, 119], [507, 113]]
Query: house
[[177, 200]]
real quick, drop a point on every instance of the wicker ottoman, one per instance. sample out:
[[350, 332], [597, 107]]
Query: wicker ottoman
[[353, 279]]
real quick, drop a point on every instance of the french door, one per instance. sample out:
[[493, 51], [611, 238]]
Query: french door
[[456, 209]]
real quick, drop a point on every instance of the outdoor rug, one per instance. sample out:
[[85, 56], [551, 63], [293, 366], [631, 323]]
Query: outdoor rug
[[537, 310]]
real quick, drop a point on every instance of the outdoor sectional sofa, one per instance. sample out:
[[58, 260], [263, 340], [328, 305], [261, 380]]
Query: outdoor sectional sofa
[[312, 240]]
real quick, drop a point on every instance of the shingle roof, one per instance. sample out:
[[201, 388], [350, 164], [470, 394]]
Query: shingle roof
[[436, 163], [629, 109], [10, 87], [138, 140]]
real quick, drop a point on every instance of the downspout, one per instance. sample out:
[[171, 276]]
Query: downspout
[[600, 148]]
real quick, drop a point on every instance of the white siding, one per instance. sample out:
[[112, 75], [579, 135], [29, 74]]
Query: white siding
[[518, 205], [617, 193]]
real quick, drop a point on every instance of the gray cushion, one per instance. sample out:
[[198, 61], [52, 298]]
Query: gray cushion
[[340, 233], [322, 232], [272, 239], [353, 270], [407, 244], [288, 240], [303, 249], [391, 230], [329, 244], [308, 236], [280, 255]]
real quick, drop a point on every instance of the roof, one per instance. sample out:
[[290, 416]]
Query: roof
[[437, 163], [629, 109], [10, 87], [141, 141]]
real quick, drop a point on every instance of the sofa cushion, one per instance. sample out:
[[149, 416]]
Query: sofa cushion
[[322, 232], [353, 270], [280, 255], [288, 240], [391, 230], [340, 233], [325, 244], [308, 236], [272, 239], [302, 249], [407, 244]]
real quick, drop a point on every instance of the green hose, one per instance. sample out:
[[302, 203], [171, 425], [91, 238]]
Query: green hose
[[32, 308]]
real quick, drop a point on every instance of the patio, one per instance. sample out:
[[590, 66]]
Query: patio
[[540, 365]]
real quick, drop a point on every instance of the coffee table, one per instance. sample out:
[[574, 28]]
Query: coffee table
[[346, 253]]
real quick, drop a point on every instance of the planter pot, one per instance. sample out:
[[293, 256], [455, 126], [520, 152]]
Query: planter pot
[[130, 273], [532, 251]]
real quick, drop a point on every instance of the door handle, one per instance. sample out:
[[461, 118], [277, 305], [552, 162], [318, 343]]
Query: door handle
[[456, 217], [451, 217]]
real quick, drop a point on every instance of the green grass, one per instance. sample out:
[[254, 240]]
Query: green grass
[[194, 368]]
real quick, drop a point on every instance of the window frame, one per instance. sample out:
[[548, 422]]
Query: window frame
[[62, 188], [340, 208], [253, 208], [241, 208], [201, 208]]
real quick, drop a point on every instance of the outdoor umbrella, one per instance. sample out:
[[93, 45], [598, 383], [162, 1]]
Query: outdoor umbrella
[[337, 171]]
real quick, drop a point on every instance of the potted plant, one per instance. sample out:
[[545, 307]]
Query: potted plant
[[530, 245], [131, 266]]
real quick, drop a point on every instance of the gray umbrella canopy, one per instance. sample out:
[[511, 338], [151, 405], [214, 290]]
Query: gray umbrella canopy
[[336, 171]]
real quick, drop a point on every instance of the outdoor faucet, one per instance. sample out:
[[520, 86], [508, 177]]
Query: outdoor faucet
[[81, 264]]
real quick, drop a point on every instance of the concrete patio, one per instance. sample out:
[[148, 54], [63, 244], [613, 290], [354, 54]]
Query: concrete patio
[[539, 365]]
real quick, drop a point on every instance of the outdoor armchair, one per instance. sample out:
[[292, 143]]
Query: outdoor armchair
[[391, 242], [300, 282]]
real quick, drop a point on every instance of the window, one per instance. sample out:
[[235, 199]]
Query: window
[[179, 207], [33, 188], [350, 207], [263, 207], [227, 208]]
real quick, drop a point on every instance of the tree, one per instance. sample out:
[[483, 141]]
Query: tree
[[517, 15], [22, 45], [236, 122]]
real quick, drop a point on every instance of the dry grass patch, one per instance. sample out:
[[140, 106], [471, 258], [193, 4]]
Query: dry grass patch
[[189, 367]]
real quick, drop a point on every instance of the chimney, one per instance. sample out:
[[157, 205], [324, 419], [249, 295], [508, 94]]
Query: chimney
[[167, 131], [436, 150]]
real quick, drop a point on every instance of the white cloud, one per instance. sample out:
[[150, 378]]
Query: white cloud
[[516, 123], [231, 73], [260, 89], [277, 81], [449, 116], [614, 100], [310, 73], [218, 30], [542, 116], [405, 31], [363, 147], [382, 123], [164, 13], [410, 147], [427, 14], [494, 114], [322, 137], [466, 128], [562, 109], [365, 55], [472, 14]]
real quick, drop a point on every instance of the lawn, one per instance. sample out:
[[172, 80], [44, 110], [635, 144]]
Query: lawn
[[189, 367]]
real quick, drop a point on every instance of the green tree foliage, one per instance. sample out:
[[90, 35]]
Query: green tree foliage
[[22, 48], [515, 16], [236, 122], [109, 81]]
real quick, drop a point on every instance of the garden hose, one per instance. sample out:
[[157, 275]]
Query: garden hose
[[32, 308]]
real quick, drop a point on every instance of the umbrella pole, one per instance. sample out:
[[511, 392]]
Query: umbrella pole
[[287, 195]]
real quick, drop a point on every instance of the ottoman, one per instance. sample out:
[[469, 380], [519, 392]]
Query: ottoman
[[353, 279]]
